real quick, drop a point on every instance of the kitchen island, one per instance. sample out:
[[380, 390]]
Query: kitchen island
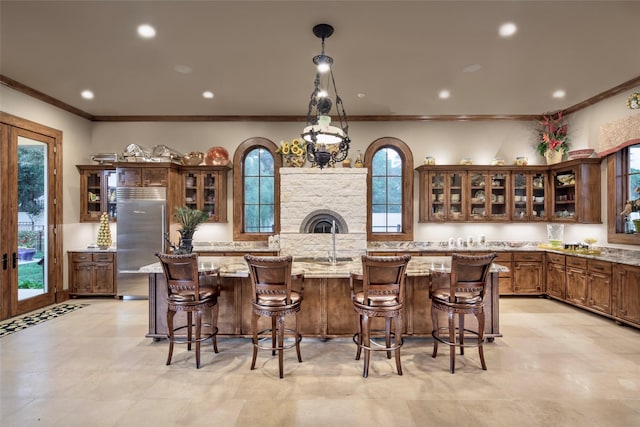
[[327, 310]]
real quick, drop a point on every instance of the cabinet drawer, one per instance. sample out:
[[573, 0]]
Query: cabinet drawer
[[503, 257], [576, 262], [81, 257], [555, 258], [527, 256], [603, 267], [102, 257]]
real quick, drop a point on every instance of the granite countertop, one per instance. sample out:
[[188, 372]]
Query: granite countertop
[[240, 247], [621, 256], [231, 266], [96, 249]]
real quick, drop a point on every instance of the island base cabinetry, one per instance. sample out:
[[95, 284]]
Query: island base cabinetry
[[326, 312]]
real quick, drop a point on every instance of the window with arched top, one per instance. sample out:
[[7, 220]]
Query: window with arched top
[[256, 190], [389, 190]]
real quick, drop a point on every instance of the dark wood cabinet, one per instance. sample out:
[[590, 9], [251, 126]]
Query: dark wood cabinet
[[92, 273], [138, 176], [626, 298], [566, 192], [97, 192], [528, 272], [576, 280], [576, 191], [205, 188], [589, 283], [556, 276]]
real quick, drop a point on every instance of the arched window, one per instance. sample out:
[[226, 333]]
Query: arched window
[[390, 190], [256, 190]]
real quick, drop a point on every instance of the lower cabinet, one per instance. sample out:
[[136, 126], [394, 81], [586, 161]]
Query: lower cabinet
[[556, 276], [92, 273], [626, 295], [528, 272], [589, 283]]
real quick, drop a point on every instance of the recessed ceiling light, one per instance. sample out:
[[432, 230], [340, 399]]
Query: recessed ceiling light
[[361, 95], [87, 94], [507, 29], [182, 69], [472, 68], [444, 94], [208, 94], [559, 93], [146, 31]]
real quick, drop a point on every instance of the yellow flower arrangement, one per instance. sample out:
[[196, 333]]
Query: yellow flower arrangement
[[633, 102]]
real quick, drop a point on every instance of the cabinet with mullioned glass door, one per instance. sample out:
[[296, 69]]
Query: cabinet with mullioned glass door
[[204, 188], [97, 192], [576, 191], [529, 195], [442, 197], [488, 196]]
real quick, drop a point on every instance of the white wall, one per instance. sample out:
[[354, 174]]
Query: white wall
[[448, 142]]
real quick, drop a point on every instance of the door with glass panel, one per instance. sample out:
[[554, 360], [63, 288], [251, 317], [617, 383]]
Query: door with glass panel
[[28, 252]]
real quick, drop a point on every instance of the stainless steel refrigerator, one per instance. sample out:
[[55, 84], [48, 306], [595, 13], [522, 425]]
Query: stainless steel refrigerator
[[142, 218]]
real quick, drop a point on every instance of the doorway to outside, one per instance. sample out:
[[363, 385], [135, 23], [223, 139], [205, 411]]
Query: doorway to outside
[[30, 212]]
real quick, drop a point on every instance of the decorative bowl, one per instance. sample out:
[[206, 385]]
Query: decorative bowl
[[217, 156], [580, 154], [193, 158]]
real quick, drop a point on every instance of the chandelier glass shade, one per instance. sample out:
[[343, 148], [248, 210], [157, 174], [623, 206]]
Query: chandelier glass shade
[[326, 144]]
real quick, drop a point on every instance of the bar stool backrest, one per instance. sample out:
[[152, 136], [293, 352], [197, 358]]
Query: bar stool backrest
[[384, 276], [469, 275], [181, 272], [270, 277]]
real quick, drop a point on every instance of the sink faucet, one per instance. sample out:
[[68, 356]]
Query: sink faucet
[[332, 256]]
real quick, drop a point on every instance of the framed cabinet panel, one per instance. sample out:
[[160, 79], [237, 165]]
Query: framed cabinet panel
[[576, 191], [97, 192], [205, 188]]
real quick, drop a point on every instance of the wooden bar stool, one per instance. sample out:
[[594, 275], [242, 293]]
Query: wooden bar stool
[[463, 295], [273, 296], [186, 294], [381, 295]]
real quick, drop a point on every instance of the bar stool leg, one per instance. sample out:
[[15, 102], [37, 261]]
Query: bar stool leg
[[461, 331], [198, 335], [274, 330], [214, 326], [366, 341], [480, 317], [359, 348], [170, 314], [397, 340], [280, 333], [452, 342], [435, 332], [298, 337], [189, 331], [387, 333], [254, 328]]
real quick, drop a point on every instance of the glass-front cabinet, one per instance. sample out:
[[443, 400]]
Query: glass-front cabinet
[[204, 188], [97, 192], [528, 197], [569, 191], [445, 196]]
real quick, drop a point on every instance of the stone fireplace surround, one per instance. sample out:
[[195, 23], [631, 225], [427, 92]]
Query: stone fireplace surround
[[338, 193]]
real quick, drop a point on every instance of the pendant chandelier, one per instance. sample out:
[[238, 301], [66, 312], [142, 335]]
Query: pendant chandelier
[[326, 144]]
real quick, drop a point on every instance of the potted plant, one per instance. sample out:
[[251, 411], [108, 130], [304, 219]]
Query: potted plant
[[553, 142], [189, 220]]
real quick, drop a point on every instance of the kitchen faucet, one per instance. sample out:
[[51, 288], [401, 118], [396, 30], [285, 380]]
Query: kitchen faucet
[[332, 256]]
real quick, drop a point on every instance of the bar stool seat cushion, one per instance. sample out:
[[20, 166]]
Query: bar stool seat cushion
[[277, 300], [377, 300]]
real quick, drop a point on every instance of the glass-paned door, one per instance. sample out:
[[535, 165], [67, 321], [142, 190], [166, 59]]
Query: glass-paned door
[[27, 211], [32, 218]]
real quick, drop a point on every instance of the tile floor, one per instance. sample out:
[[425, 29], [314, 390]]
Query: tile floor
[[555, 366]]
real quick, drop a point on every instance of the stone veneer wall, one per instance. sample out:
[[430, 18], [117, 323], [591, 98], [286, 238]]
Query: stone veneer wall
[[306, 190]]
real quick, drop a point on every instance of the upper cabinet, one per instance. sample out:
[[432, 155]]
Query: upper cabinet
[[97, 192], [205, 188], [569, 191], [201, 187], [576, 191]]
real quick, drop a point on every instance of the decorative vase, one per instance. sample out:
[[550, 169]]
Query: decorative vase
[[553, 156]]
